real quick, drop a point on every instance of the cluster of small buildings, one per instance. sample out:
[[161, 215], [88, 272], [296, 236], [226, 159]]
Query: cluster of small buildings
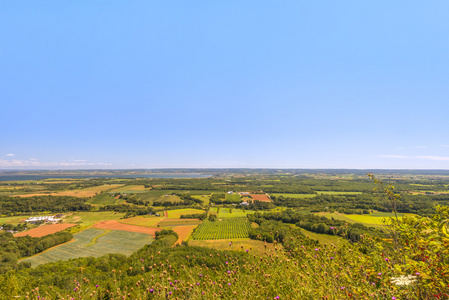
[[50, 219]]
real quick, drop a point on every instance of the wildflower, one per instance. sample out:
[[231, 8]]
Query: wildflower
[[316, 249], [403, 280], [226, 262], [386, 259], [277, 297], [332, 228], [379, 274], [96, 285], [151, 290], [247, 250], [393, 298], [229, 284]]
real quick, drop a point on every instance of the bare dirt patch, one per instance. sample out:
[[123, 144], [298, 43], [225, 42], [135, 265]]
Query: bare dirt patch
[[44, 230], [183, 232], [114, 225], [262, 198]]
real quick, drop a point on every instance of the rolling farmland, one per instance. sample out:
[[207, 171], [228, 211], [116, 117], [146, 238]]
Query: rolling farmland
[[93, 242], [228, 228]]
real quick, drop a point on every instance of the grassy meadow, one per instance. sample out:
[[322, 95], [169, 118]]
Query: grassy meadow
[[93, 242], [89, 218], [297, 196], [176, 213], [146, 221]]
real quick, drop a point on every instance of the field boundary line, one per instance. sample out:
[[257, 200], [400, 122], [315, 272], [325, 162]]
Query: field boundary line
[[22, 258], [94, 240]]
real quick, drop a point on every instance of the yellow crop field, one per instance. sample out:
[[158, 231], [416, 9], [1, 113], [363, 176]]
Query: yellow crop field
[[86, 192], [253, 246], [146, 221], [130, 188], [175, 214]]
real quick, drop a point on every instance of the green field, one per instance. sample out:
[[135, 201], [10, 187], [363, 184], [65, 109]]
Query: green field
[[233, 198], [145, 221], [204, 198], [180, 222], [176, 213], [228, 228], [104, 199], [338, 193], [130, 189], [159, 195], [325, 238], [297, 196], [254, 246], [371, 219], [90, 218], [337, 216], [13, 220], [226, 213], [374, 218], [93, 242]]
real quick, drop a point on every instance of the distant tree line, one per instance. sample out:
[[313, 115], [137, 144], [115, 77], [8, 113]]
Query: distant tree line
[[11, 205]]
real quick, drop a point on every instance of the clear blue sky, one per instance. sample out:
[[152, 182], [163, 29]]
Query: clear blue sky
[[275, 84]]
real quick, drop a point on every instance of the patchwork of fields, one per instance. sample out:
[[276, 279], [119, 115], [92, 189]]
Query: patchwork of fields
[[122, 242]]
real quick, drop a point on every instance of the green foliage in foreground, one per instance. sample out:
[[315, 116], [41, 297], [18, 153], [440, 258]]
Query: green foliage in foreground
[[411, 264], [13, 248]]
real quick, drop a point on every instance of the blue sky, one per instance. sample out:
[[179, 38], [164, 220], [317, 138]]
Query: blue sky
[[269, 84]]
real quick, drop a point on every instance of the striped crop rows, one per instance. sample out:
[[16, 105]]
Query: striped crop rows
[[228, 228]]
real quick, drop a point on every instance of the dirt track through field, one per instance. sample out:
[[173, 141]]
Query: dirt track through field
[[44, 230], [114, 225]]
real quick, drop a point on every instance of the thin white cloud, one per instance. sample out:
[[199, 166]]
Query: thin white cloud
[[422, 157], [421, 147], [445, 146], [394, 156], [36, 163], [79, 160], [10, 154], [433, 157]]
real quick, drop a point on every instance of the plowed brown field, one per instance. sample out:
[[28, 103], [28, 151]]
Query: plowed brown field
[[114, 225], [183, 232], [262, 198], [44, 230]]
